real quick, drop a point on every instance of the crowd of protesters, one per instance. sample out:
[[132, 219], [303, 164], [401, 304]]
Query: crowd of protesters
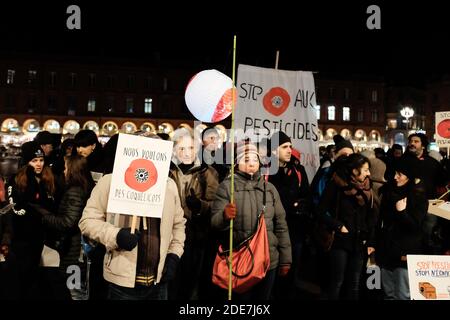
[[374, 203]]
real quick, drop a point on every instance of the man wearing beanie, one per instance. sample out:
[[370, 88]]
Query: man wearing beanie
[[343, 146], [292, 184]]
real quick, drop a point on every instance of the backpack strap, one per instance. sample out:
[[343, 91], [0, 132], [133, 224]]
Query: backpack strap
[[299, 174]]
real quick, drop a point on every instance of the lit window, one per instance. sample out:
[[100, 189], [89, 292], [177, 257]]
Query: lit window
[[91, 105], [331, 113], [148, 105], [11, 74], [392, 124], [346, 114]]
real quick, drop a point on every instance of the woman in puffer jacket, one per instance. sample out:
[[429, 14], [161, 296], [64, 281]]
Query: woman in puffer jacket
[[64, 223], [248, 204]]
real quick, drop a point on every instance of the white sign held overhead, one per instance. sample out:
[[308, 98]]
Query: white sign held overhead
[[139, 179], [271, 100]]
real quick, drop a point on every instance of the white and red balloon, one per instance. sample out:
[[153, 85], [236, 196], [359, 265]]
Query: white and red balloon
[[209, 96]]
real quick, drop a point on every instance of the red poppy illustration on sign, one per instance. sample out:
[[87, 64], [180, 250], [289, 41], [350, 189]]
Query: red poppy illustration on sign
[[443, 128], [276, 101], [141, 175]]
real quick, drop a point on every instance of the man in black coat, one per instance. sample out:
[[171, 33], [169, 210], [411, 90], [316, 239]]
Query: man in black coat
[[433, 175], [292, 184]]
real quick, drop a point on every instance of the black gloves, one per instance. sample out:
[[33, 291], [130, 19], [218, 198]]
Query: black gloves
[[170, 267], [194, 204], [126, 240]]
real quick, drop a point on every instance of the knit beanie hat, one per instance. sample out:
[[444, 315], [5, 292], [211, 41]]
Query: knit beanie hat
[[244, 148], [279, 138], [341, 143], [31, 150]]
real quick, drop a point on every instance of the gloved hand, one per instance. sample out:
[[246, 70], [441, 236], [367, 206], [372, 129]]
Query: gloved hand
[[283, 270], [126, 240], [194, 204], [170, 267], [230, 211]]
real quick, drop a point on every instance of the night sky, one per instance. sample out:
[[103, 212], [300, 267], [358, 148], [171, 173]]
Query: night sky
[[328, 37]]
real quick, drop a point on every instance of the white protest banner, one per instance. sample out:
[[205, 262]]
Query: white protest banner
[[429, 277], [443, 129], [139, 179], [271, 100]]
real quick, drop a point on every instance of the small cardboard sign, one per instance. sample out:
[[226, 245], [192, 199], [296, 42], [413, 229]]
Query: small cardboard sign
[[141, 168], [429, 277]]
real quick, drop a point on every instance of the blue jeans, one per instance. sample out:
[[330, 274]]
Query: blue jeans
[[395, 284], [345, 266], [139, 292]]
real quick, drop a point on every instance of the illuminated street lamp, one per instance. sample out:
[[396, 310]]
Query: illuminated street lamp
[[407, 112]]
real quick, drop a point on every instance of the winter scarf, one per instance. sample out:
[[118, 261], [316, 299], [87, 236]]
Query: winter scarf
[[362, 191]]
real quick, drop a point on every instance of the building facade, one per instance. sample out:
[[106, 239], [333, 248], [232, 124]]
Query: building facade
[[354, 108], [67, 95]]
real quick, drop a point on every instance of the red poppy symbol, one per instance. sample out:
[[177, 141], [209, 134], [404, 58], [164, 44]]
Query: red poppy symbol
[[276, 101], [141, 175], [443, 128]]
